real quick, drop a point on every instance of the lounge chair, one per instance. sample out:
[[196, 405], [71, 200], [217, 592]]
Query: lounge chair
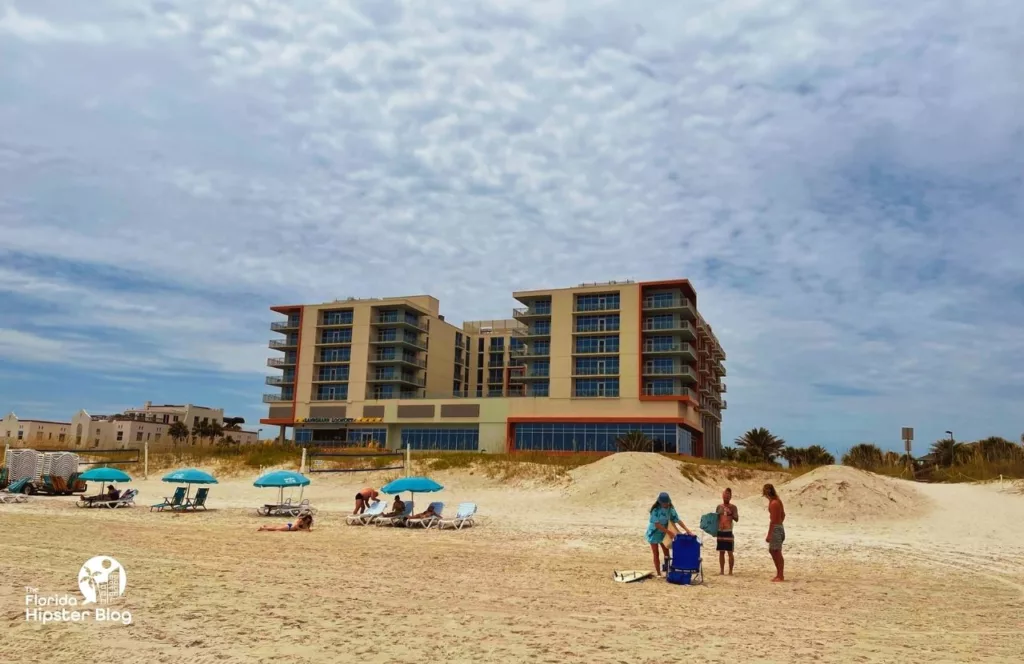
[[14, 492], [371, 513], [127, 499], [287, 508], [428, 521], [197, 502], [464, 517], [173, 502], [396, 520]]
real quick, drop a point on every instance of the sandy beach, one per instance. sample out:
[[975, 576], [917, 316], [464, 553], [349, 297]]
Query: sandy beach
[[878, 570]]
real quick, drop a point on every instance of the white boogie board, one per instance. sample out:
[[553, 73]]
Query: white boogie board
[[631, 575]]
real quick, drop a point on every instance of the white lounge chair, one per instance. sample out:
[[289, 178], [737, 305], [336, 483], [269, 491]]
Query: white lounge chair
[[371, 513], [464, 517], [428, 521], [396, 520]]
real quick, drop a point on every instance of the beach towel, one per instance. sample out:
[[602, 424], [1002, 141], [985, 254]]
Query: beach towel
[[631, 575], [709, 523]]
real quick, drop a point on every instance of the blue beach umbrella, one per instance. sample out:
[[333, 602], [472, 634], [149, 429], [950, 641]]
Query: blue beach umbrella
[[105, 475], [189, 476], [281, 479], [413, 485]]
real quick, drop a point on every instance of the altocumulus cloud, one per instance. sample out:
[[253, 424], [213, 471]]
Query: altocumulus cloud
[[842, 182]]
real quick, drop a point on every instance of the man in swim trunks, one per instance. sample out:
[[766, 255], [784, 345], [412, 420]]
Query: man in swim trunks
[[776, 532], [728, 514], [364, 498]]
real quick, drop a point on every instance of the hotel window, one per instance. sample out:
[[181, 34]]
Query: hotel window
[[120, 435], [461, 440], [608, 323], [660, 322], [336, 336], [337, 318], [597, 302], [138, 437], [591, 366], [540, 368], [539, 389], [597, 437], [597, 387], [332, 393], [609, 344]]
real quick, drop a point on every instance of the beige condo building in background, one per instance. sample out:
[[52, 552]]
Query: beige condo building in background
[[572, 370]]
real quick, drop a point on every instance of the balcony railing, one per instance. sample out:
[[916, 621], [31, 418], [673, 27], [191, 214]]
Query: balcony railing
[[674, 348], [284, 325], [666, 303], [280, 362], [283, 343], [331, 378], [657, 370], [595, 371], [335, 341], [526, 351], [401, 321], [724, 405], [723, 389], [531, 312], [677, 326], [668, 392], [398, 378], [280, 380], [532, 332], [398, 359], [337, 321], [274, 398]]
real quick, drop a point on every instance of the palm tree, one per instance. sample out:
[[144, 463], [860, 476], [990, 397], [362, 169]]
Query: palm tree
[[866, 456], [634, 441], [761, 445], [891, 458], [946, 452], [214, 430], [178, 432], [816, 455], [729, 453], [198, 431], [995, 448], [794, 456]]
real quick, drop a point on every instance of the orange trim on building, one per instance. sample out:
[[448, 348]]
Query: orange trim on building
[[277, 421], [684, 284], [286, 308]]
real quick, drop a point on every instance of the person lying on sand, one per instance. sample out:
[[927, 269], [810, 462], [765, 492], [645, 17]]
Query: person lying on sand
[[663, 516], [397, 509], [305, 523]]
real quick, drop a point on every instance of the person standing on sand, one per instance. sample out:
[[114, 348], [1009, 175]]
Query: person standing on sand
[[728, 514], [364, 498], [776, 531], [663, 516]]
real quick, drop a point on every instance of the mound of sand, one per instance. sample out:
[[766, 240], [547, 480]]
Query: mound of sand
[[848, 494], [628, 479]]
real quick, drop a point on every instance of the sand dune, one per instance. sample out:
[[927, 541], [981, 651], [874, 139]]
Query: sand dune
[[533, 582], [844, 493]]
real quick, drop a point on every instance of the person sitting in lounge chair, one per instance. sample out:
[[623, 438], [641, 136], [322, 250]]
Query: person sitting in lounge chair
[[397, 509], [111, 494], [305, 523], [429, 514]]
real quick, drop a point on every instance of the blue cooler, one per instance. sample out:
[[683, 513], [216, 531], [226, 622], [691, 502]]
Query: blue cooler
[[684, 566]]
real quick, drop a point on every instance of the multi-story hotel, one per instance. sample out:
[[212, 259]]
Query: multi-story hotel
[[572, 370]]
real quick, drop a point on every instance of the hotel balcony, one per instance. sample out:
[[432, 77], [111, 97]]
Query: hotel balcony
[[283, 344], [335, 322], [337, 378], [527, 352], [723, 390], [400, 341], [284, 326], [281, 362], [668, 392], [381, 358], [718, 368], [335, 341], [280, 380], [408, 322], [681, 306], [333, 360], [531, 375], [596, 329], [397, 378], [596, 371], [684, 350], [681, 328], [724, 404], [683, 372], [532, 333], [598, 351], [274, 398], [714, 397], [525, 313]]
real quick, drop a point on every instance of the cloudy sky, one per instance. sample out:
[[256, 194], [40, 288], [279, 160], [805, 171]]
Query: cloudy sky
[[843, 182]]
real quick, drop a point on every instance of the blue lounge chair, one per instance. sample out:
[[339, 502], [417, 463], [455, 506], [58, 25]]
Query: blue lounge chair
[[428, 521], [173, 502], [197, 502], [371, 513], [464, 517], [398, 520]]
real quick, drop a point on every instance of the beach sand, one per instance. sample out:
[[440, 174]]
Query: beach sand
[[878, 570]]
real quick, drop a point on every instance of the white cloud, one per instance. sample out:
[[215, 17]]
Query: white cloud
[[842, 185]]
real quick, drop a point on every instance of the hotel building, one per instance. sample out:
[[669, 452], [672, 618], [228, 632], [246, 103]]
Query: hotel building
[[572, 370]]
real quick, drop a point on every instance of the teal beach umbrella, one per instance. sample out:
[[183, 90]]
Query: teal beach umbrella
[[189, 476], [281, 479], [105, 475]]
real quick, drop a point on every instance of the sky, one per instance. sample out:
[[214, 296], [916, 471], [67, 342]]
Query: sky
[[842, 182]]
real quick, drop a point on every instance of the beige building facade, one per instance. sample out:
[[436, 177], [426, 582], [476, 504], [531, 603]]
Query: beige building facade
[[572, 370], [135, 427]]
